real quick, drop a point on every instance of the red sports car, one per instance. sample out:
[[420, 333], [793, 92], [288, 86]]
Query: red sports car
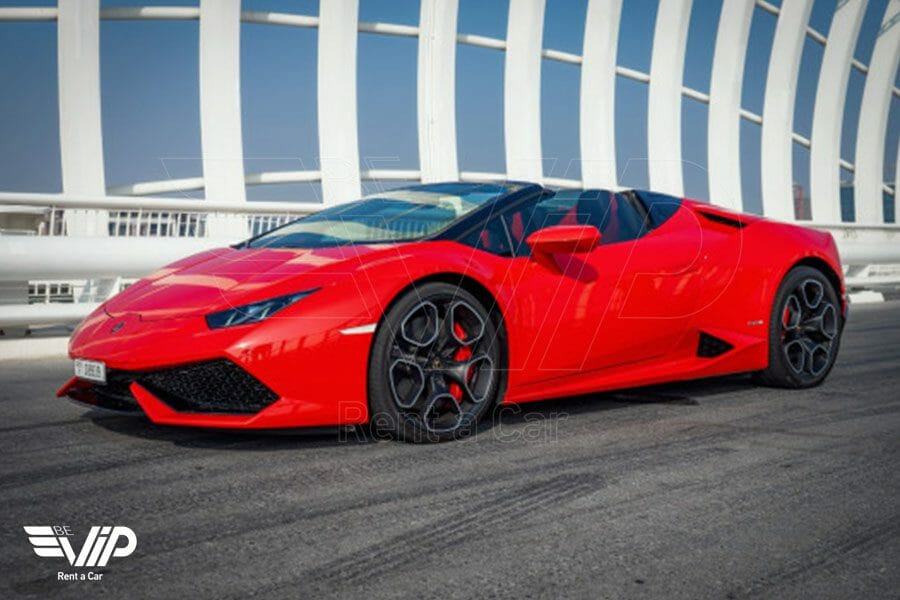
[[418, 309]]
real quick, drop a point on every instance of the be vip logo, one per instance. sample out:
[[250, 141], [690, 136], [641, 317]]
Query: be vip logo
[[101, 544]]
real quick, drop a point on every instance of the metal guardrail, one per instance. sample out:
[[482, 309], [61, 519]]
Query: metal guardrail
[[32, 315], [121, 239], [141, 216], [114, 217]]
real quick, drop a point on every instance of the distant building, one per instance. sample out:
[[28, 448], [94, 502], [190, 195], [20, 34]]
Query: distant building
[[801, 206]]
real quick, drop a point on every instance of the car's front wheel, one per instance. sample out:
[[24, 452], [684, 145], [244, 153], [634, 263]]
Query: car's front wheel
[[435, 368]]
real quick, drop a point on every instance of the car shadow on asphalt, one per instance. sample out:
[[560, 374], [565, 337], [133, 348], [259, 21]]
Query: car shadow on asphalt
[[686, 394]]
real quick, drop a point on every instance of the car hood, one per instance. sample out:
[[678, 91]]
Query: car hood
[[225, 277]]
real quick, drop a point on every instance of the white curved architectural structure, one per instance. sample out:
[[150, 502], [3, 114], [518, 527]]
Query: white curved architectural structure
[[522, 91], [338, 140], [220, 100], [87, 207], [778, 110], [597, 106], [825, 150], [81, 139], [724, 128], [664, 100], [437, 90], [873, 117]]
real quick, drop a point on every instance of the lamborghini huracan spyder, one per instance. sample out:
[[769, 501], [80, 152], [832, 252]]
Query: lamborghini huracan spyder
[[423, 307]]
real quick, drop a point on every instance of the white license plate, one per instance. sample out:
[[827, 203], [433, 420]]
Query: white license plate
[[92, 370]]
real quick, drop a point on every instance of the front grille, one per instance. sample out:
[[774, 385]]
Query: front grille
[[217, 386]]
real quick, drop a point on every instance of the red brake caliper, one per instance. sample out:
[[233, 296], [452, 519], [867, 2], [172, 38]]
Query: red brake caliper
[[460, 355]]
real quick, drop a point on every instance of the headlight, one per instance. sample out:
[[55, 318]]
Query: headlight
[[253, 313]]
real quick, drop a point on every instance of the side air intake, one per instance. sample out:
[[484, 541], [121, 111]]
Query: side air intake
[[216, 386], [710, 346], [722, 219]]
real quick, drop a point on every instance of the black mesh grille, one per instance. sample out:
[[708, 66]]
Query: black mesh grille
[[218, 386]]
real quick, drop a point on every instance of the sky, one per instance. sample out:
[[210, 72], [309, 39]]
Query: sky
[[150, 109]]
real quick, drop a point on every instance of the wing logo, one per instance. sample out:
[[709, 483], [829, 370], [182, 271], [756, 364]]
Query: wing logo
[[102, 543]]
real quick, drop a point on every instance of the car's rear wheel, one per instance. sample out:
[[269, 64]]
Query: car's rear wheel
[[804, 331], [435, 369]]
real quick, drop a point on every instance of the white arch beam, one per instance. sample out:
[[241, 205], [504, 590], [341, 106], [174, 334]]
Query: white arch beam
[[220, 100], [522, 90], [597, 119], [724, 129], [664, 100], [778, 110], [873, 118], [338, 137], [437, 90], [828, 114], [80, 126], [80, 132]]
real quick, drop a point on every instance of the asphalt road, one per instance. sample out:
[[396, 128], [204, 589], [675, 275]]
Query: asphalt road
[[712, 489]]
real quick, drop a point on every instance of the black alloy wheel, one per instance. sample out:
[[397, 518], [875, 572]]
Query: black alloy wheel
[[435, 365], [804, 330]]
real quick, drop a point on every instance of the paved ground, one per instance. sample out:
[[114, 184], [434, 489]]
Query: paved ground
[[711, 489]]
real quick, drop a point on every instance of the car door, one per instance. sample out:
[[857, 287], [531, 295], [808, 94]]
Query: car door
[[622, 303]]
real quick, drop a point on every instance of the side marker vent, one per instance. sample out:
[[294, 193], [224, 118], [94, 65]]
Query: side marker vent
[[710, 346]]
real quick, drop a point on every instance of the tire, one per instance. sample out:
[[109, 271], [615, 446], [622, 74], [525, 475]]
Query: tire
[[435, 366], [805, 328]]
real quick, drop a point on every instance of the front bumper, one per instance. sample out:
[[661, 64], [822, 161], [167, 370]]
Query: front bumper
[[279, 374], [135, 398]]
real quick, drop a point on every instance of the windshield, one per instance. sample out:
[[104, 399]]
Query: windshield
[[402, 214]]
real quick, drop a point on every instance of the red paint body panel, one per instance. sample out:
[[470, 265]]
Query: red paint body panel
[[615, 316]]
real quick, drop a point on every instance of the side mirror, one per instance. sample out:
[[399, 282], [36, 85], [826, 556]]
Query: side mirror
[[564, 239]]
